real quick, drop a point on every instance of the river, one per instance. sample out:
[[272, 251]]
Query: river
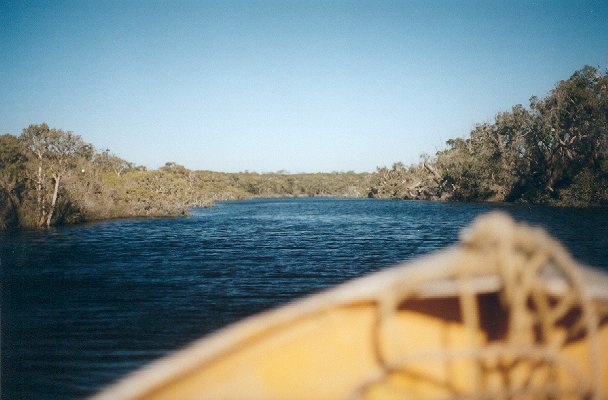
[[83, 305]]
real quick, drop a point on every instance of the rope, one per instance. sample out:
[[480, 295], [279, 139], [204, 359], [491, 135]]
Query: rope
[[522, 257]]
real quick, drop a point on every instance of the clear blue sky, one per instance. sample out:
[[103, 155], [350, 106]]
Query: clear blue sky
[[303, 86]]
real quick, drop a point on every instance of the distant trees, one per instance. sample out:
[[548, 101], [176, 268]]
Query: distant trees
[[53, 154], [49, 176], [555, 151], [13, 161], [418, 181], [106, 161]]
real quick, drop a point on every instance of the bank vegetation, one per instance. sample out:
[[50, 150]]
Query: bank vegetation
[[51, 177], [555, 151]]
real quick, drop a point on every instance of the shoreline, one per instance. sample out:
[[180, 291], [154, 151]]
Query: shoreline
[[188, 212]]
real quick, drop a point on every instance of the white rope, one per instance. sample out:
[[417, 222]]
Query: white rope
[[521, 256]]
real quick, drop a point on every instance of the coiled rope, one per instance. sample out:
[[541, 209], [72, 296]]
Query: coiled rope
[[527, 261]]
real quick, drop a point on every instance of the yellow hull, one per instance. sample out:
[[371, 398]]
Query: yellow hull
[[495, 317]]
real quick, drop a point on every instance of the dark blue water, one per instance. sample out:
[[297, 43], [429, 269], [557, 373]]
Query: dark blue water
[[83, 305]]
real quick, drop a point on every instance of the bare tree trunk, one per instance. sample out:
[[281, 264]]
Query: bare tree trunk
[[40, 196], [56, 178], [433, 171]]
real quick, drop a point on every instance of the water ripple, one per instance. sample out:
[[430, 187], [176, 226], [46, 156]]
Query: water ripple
[[83, 305]]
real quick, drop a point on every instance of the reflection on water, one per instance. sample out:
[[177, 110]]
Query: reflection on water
[[83, 305]]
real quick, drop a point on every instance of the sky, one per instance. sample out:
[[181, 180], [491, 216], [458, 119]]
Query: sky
[[300, 86]]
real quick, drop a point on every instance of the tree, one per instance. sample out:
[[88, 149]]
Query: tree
[[13, 161], [556, 151], [106, 161], [55, 153], [572, 129]]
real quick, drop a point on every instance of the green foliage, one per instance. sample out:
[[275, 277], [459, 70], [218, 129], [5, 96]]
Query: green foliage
[[13, 161], [555, 152], [417, 181], [586, 188], [49, 176], [107, 162], [53, 154]]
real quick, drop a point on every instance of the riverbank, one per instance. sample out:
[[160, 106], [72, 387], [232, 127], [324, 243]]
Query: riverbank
[[170, 191], [156, 213], [555, 151]]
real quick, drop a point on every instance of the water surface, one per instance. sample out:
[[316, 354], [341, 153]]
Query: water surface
[[83, 305]]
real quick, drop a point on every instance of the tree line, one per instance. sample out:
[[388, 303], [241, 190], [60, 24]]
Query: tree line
[[554, 152], [51, 177]]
